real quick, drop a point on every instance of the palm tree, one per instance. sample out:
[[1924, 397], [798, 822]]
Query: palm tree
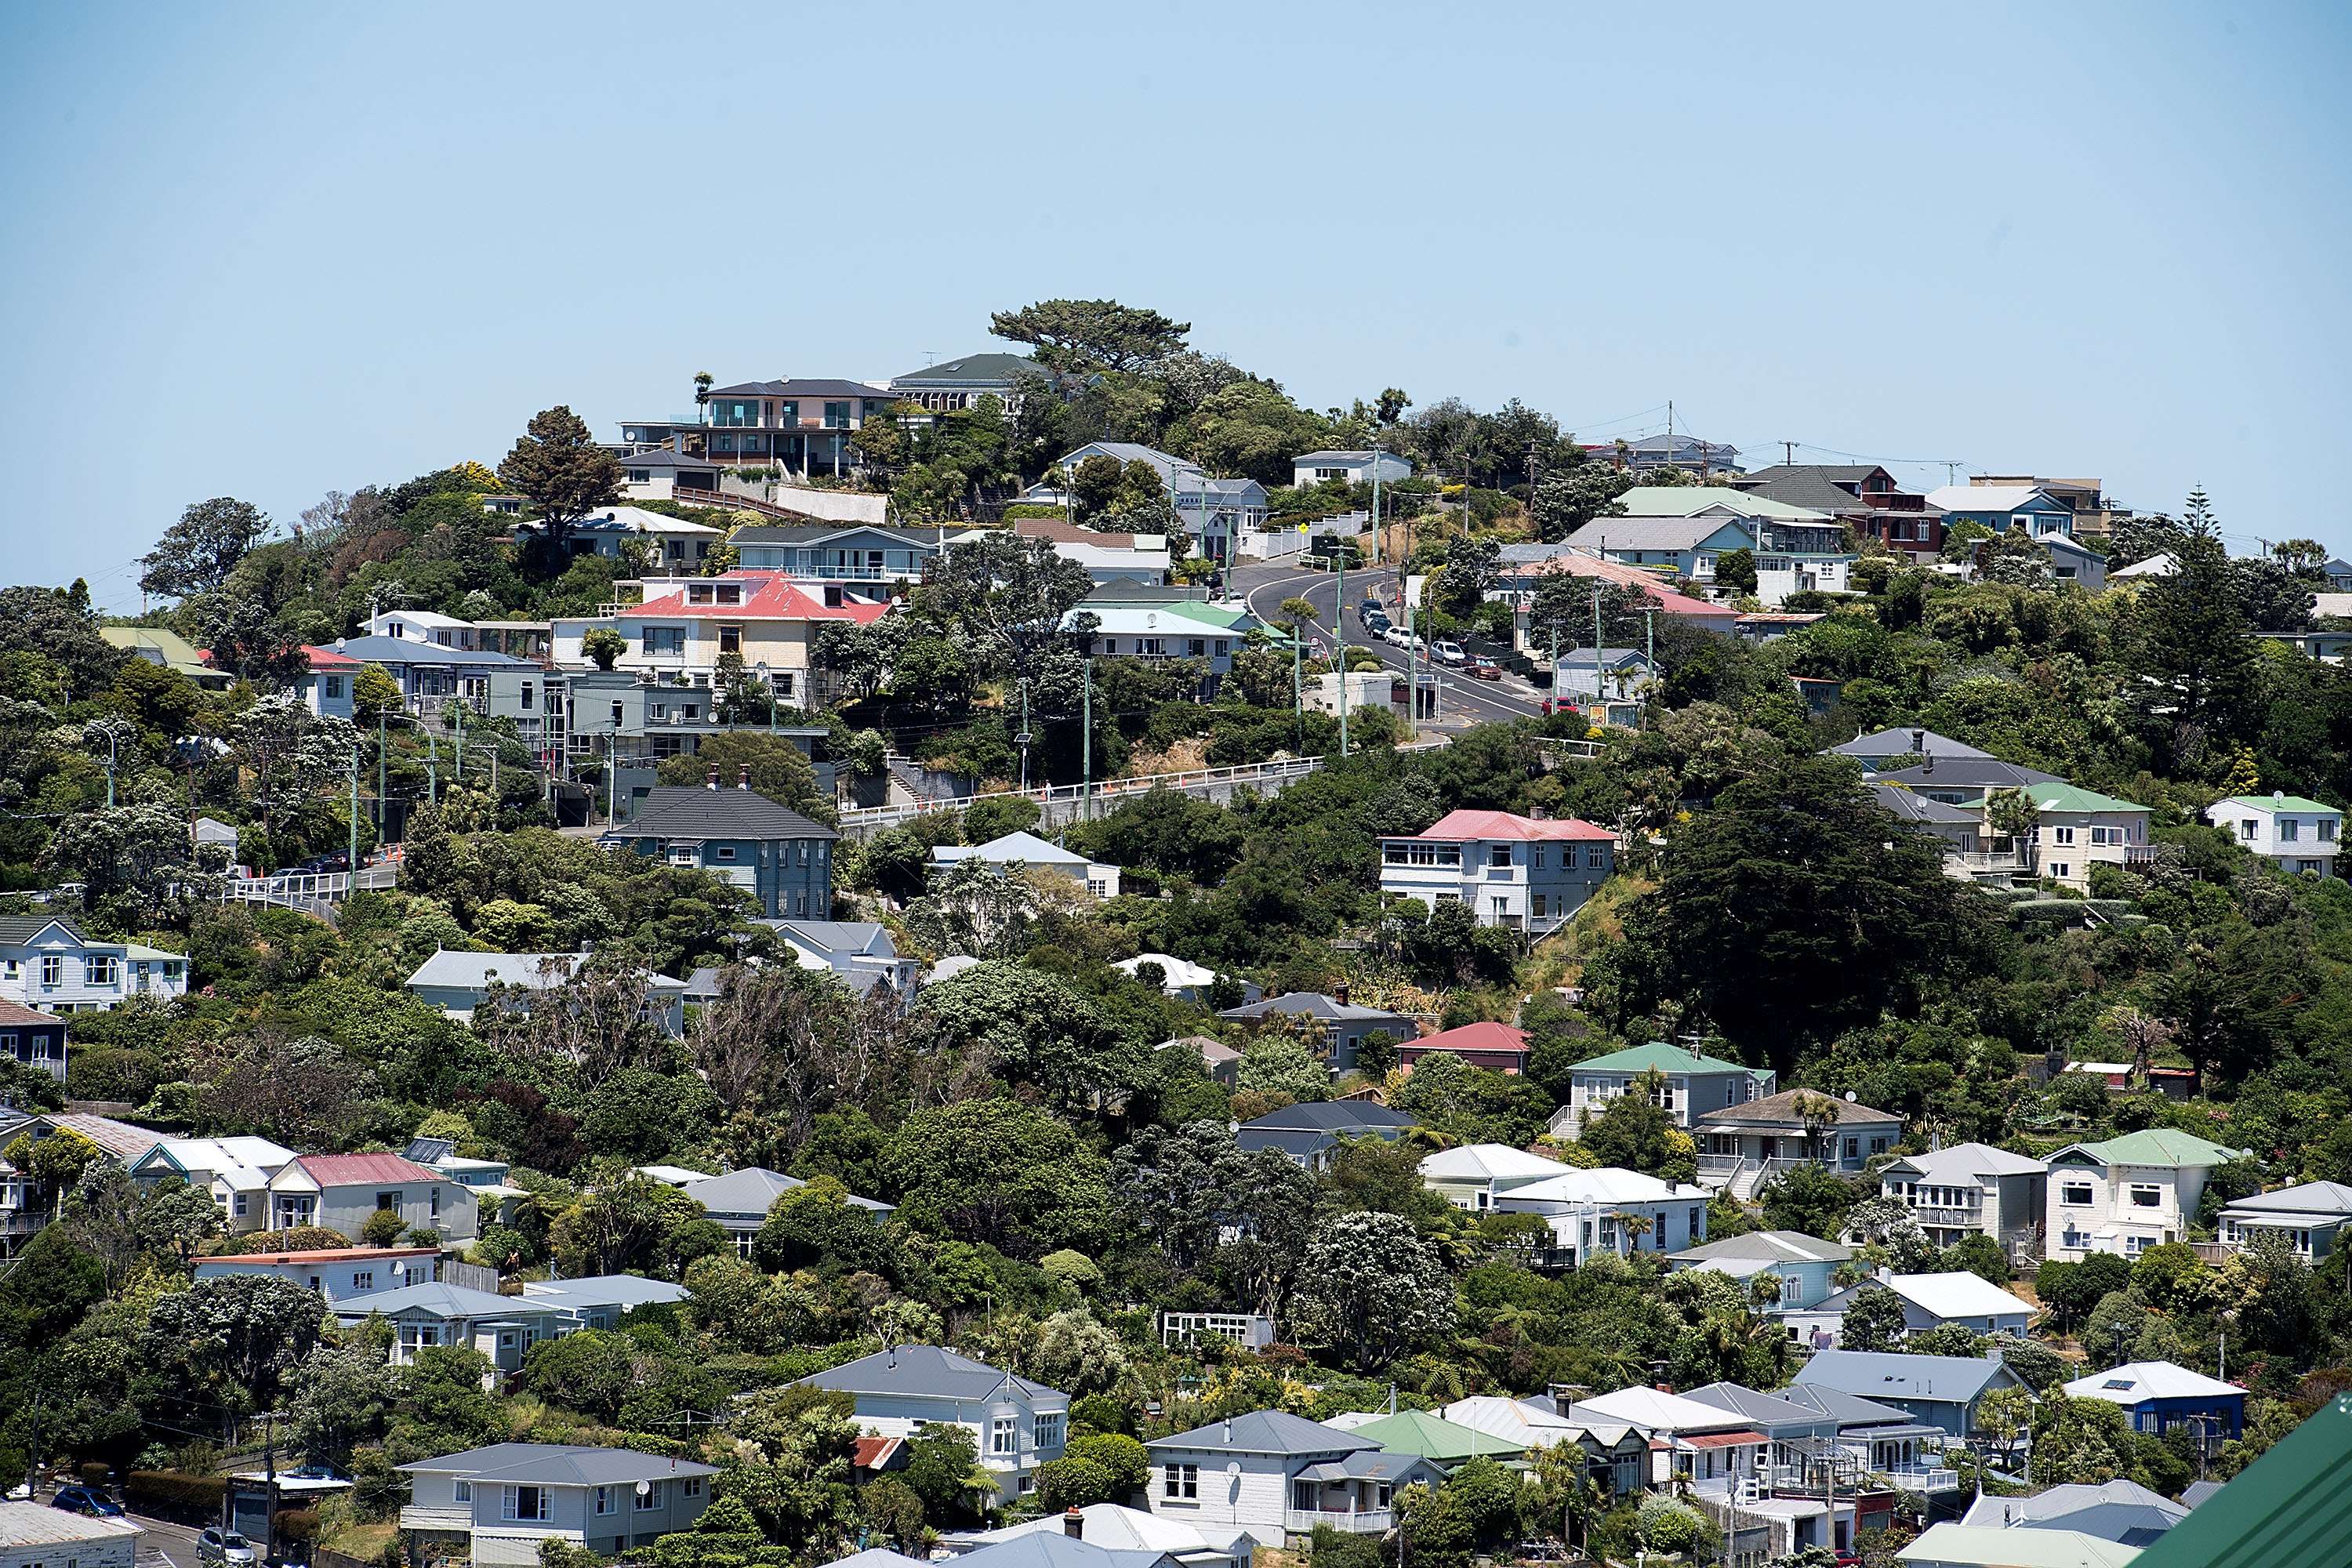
[[1819, 1113], [1636, 1226]]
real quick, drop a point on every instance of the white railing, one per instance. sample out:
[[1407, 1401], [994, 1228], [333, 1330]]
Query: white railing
[[306, 886], [1976, 861], [1305, 1519]]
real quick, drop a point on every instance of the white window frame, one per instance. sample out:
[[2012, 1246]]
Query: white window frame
[[463, 1491], [511, 1504], [606, 1502], [650, 1499], [1004, 1435]]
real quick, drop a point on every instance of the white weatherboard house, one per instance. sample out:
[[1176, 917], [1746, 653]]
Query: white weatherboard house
[[1610, 1210], [50, 966], [1971, 1188], [1743, 1146], [1018, 1424], [1029, 851], [2080, 827], [235, 1171], [739, 1201], [2128, 1193], [339, 1274], [1932, 1301], [2299, 834], [35, 1535], [495, 1505], [1352, 468], [340, 1192], [2310, 1216], [1800, 1265], [1474, 1176], [503, 1328], [1522, 872], [1275, 1474], [1694, 1084]]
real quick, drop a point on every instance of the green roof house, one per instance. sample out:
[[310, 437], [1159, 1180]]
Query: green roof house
[[2080, 826], [170, 650], [2299, 834], [1436, 1439], [2128, 1194], [1695, 1084], [2289, 1509]]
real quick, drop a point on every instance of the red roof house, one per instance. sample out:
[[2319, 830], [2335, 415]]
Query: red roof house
[[1496, 1047]]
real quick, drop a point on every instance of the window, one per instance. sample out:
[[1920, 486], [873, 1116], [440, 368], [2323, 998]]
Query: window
[[616, 715], [2062, 836], [664, 639], [387, 1200], [361, 1278], [1499, 854], [1049, 1432], [2326, 830], [2145, 1196], [2288, 828], [2075, 1194], [651, 1498], [526, 696], [53, 969], [1183, 1482], [606, 1501], [463, 1491], [102, 969], [689, 1485], [2059, 870], [730, 639], [526, 1503], [1540, 910], [433, 1196], [237, 1206], [836, 415], [1004, 1435], [335, 686], [1693, 1221]]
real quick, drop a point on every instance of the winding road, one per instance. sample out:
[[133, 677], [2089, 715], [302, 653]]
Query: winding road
[[1461, 700]]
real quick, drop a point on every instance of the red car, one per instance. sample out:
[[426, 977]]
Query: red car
[[1551, 706], [1483, 669]]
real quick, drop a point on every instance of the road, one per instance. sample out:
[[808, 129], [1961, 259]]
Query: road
[[164, 1544], [1461, 700]]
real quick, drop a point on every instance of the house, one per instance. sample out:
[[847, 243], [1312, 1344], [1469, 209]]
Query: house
[[2072, 560], [2128, 1193], [234, 1172], [328, 685], [1310, 1134], [801, 424], [1747, 1144], [1140, 559], [1218, 1059], [1214, 511], [741, 1199], [957, 385], [1651, 453], [1055, 1548], [1960, 831], [1709, 1443], [670, 543], [2310, 1216], [1523, 568], [1972, 1189], [1184, 979], [1882, 750], [339, 1274], [1498, 1048], [1207, 634], [2289, 1509], [1862, 495], [2300, 835], [1508, 871], [1473, 1176], [486, 1179], [667, 471], [1694, 1084], [1938, 1391], [1875, 1440], [599, 1301], [1800, 1265], [770, 851], [1610, 1210], [1934, 1300], [2079, 827], [1275, 1475], [2162, 1397], [1671, 544], [34, 1040], [1686, 528], [156, 645], [675, 638], [49, 965], [1021, 850], [1017, 1423], [435, 679], [1617, 1457], [1961, 779], [1125, 1538], [1584, 673], [38, 1535], [2003, 506], [2118, 1510], [1805, 1456], [459, 983], [1251, 1331], [1432, 1437], [1949, 1545], [495, 1505], [870, 560], [425, 1315], [1343, 1025], [340, 1192], [1347, 467], [861, 952]]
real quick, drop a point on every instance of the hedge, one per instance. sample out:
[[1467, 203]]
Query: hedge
[[96, 1473], [170, 1492]]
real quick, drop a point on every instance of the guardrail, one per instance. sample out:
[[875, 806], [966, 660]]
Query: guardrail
[[306, 886]]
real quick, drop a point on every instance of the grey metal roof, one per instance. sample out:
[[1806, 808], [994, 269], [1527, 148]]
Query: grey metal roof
[[1772, 1246], [923, 1369], [15, 930], [1807, 486], [1748, 1405], [473, 970], [1051, 1549], [439, 1299], [667, 456], [621, 1290], [558, 1463], [789, 387], [1655, 532], [974, 370], [1968, 773], [841, 936], [753, 1190], [1267, 1432], [816, 533], [1895, 1375], [409, 650], [1846, 1409], [2072, 1498], [2305, 1199], [684, 811], [1330, 1116], [1913, 807], [1904, 741], [1310, 1005]]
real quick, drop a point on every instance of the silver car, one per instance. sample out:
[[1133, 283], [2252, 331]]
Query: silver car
[[224, 1549]]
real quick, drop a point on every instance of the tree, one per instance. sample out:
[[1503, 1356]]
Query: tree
[[1565, 500], [560, 469], [1735, 571], [2189, 650], [1808, 1198], [343, 1396], [603, 646], [252, 1329], [56, 1162], [1035, 1030], [1009, 597], [375, 691], [180, 1219], [196, 553], [1370, 1289], [780, 770], [2072, 1289], [1633, 1132], [1279, 1062], [1075, 336], [941, 1462], [816, 1226], [993, 1171], [1872, 1321]]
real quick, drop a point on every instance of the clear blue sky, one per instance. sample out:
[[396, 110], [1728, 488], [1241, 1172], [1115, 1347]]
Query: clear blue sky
[[265, 251]]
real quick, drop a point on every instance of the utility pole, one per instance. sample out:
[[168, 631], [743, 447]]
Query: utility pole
[[352, 866], [1086, 742], [269, 1419], [1299, 682], [1022, 739], [432, 767], [613, 778], [1339, 605], [1650, 641], [1598, 687], [1789, 454], [378, 776]]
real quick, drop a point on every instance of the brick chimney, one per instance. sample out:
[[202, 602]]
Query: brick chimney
[[711, 781], [744, 776], [1073, 1524], [1340, 994]]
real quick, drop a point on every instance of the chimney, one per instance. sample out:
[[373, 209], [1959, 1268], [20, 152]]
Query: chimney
[[1073, 1524], [1919, 741], [744, 776], [711, 780], [1340, 994]]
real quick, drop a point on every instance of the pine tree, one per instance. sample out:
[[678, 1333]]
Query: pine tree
[[2191, 650]]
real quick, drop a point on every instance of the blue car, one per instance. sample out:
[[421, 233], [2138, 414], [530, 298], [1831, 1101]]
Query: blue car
[[84, 1499]]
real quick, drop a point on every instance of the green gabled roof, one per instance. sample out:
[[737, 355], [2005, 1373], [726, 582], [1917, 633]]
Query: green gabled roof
[[1434, 1438], [2161, 1146], [2277, 803], [2289, 1509], [1660, 1058], [2075, 797]]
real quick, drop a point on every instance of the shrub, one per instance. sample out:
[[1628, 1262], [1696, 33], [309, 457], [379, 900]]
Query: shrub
[[173, 1495], [300, 1238], [382, 1227]]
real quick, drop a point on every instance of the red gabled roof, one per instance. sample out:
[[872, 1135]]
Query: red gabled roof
[[328, 658], [1608, 571], [1061, 532], [17, 1013], [873, 1453], [1462, 826], [1484, 1036], [358, 1170], [325, 1255], [767, 596]]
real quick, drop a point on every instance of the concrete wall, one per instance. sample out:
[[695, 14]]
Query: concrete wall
[[832, 506]]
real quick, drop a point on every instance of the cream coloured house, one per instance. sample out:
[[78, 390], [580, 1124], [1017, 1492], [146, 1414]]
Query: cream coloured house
[[2128, 1193]]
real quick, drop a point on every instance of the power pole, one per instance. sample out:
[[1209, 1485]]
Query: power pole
[[1789, 454], [1298, 682], [431, 768], [352, 866], [1599, 687], [378, 776], [1339, 606], [613, 780], [1650, 641], [1086, 742], [1022, 739], [269, 1419]]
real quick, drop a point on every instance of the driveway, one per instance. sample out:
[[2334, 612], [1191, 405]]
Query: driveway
[[1461, 700]]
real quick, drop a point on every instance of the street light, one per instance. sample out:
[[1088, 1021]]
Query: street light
[[768, 685], [112, 732]]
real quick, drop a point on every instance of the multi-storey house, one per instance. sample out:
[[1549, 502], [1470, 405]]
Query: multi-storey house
[[49, 965], [1516, 871], [2300, 835], [2128, 1193]]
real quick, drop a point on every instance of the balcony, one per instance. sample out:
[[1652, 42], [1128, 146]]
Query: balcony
[[458, 1517], [1359, 1521], [1979, 860], [1963, 1218]]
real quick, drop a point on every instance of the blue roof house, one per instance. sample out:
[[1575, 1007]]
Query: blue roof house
[[2160, 1396]]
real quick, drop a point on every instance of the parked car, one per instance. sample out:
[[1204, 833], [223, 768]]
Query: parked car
[[1553, 705], [1394, 637], [1482, 669], [1377, 624], [1448, 651], [1370, 607], [87, 1500], [224, 1548]]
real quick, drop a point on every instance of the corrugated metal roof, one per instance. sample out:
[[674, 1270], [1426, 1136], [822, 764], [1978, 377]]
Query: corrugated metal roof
[[2289, 1509]]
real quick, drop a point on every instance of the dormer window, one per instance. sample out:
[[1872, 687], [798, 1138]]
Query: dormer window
[[697, 594], [731, 593]]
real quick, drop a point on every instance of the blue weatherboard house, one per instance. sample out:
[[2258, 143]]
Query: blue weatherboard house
[[769, 850], [2160, 1396], [2003, 506]]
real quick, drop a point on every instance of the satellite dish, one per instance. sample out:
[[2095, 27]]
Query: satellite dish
[[644, 1488]]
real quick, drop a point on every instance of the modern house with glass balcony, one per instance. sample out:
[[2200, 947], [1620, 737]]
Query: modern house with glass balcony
[[433, 679], [1972, 1189], [1684, 529], [2078, 827], [869, 561], [1273, 1476], [957, 385], [1522, 872], [770, 851], [1690, 1085], [803, 426]]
